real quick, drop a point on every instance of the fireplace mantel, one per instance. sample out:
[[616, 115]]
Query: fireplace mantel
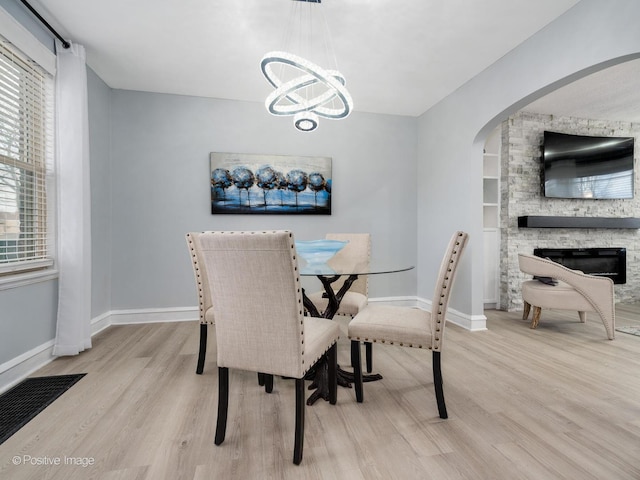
[[530, 221]]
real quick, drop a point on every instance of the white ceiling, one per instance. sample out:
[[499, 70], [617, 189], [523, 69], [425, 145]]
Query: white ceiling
[[398, 56], [611, 94]]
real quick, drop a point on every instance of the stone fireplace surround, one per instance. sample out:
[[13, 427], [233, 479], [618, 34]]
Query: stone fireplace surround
[[521, 195]]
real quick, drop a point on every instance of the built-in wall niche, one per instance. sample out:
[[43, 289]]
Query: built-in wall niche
[[490, 200], [491, 217]]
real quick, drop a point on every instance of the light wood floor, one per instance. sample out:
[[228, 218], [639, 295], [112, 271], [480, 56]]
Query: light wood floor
[[559, 402]]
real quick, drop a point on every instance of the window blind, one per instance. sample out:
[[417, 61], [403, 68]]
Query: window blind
[[26, 126]]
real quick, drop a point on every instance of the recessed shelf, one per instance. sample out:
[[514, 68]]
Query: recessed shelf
[[530, 221]]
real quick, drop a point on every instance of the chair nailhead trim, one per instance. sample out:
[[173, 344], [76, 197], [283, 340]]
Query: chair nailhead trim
[[374, 340]]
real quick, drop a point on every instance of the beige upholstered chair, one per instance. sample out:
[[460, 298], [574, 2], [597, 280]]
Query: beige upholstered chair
[[260, 323], [574, 291], [356, 252], [410, 327], [204, 297]]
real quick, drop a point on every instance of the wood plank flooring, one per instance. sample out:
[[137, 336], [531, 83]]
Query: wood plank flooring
[[558, 402]]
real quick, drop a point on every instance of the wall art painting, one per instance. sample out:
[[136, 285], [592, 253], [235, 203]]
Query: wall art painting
[[270, 184]]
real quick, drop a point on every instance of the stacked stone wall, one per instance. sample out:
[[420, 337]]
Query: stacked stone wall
[[521, 194]]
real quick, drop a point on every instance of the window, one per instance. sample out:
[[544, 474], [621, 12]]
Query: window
[[26, 124]]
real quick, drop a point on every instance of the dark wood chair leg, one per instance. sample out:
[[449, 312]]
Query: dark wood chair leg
[[299, 436], [437, 382], [261, 379], [332, 360], [357, 369], [353, 360], [203, 348], [268, 383], [223, 404], [368, 346]]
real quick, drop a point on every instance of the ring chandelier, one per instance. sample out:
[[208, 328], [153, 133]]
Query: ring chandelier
[[285, 99], [308, 92]]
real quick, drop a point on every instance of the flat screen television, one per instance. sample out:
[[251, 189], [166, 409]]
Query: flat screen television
[[579, 166]]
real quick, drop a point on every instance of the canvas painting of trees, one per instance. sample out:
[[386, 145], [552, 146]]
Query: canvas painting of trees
[[270, 184]]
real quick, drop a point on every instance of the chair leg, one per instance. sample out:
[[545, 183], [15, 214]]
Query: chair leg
[[299, 435], [437, 381], [223, 404], [357, 369], [353, 360], [332, 360], [368, 355], [582, 316], [261, 379], [368, 346], [537, 311], [203, 348], [268, 383], [526, 310]]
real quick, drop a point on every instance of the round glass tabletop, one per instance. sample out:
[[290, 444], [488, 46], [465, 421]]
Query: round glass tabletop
[[342, 268]]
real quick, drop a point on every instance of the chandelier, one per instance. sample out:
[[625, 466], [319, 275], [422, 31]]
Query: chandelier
[[303, 88]]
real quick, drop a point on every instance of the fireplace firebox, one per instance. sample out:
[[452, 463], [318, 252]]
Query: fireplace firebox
[[604, 262]]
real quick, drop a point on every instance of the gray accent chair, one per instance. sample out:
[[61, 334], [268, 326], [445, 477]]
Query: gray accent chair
[[410, 327], [568, 290], [260, 321]]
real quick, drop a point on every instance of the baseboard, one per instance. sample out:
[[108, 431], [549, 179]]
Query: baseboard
[[100, 323], [396, 301], [17, 369], [474, 323], [154, 315], [20, 367]]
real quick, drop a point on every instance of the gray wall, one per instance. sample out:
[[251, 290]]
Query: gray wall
[[27, 318], [590, 36], [101, 191], [160, 180]]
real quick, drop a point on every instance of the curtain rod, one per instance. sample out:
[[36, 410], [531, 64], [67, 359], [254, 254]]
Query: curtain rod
[[65, 44]]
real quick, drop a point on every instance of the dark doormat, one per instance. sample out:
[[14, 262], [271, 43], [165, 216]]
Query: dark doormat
[[27, 399]]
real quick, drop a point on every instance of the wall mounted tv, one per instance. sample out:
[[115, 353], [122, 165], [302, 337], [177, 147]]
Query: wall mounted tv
[[578, 166]]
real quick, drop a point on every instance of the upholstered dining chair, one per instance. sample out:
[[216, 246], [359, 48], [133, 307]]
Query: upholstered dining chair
[[204, 297], [410, 327], [260, 322], [205, 310], [560, 288], [356, 252]]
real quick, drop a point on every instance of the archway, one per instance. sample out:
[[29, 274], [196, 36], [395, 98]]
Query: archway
[[612, 108]]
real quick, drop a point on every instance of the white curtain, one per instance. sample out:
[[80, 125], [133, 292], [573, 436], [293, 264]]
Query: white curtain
[[73, 333]]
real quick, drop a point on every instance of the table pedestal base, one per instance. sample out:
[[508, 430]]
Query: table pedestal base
[[319, 374], [320, 381]]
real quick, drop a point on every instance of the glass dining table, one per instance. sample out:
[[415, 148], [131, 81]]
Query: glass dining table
[[328, 273]]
